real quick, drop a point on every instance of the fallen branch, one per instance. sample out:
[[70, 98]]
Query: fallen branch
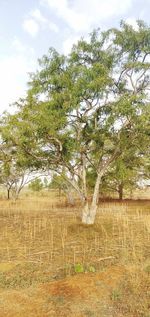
[[106, 258]]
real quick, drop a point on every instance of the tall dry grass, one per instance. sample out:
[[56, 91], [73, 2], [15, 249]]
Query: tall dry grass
[[46, 236]]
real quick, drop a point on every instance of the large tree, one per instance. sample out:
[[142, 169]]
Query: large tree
[[85, 110]]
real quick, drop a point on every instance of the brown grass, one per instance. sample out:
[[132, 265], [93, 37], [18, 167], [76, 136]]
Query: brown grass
[[43, 240]]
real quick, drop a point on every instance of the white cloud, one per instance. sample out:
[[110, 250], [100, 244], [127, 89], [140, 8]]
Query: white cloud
[[43, 22], [31, 26], [35, 21], [75, 20], [13, 78], [38, 16], [82, 15]]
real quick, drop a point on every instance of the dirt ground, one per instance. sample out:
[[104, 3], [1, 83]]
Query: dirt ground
[[52, 266], [81, 295], [105, 294]]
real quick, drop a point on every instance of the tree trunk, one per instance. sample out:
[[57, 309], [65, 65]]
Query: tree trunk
[[8, 193], [70, 197], [89, 213], [120, 191], [16, 191], [85, 212]]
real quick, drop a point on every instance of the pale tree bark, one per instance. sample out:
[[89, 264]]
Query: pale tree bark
[[84, 183], [89, 213], [15, 193], [85, 212], [70, 198], [69, 195], [74, 184]]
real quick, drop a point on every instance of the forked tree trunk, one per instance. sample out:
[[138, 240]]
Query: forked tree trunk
[[16, 191], [89, 212]]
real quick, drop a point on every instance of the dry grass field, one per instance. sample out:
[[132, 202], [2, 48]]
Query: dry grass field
[[52, 265]]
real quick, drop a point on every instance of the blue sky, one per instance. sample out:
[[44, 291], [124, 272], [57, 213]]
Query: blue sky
[[30, 27]]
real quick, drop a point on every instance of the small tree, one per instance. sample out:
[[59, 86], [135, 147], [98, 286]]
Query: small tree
[[124, 174], [61, 183], [13, 179], [15, 172], [36, 185], [13, 175]]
